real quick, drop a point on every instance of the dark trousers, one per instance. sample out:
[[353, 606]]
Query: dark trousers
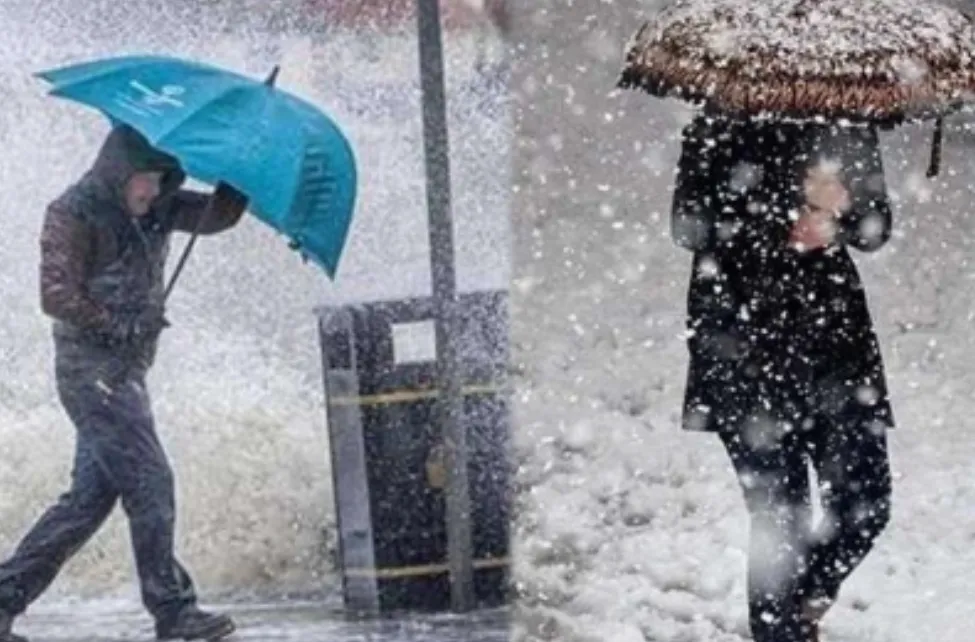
[[118, 456], [789, 562]]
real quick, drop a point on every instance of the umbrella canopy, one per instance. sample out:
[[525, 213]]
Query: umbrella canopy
[[294, 164], [880, 61]]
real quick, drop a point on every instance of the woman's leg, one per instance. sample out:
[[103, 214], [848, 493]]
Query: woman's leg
[[775, 483], [852, 464]]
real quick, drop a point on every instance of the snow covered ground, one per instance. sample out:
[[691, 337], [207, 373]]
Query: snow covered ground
[[629, 529]]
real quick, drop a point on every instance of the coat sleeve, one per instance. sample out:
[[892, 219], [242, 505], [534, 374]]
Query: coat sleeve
[[867, 224], [213, 213], [66, 244], [693, 212]]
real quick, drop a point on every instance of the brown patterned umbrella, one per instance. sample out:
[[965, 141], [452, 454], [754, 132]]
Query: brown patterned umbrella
[[882, 61]]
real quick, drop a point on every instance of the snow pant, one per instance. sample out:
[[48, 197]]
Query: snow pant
[[790, 561], [117, 456]]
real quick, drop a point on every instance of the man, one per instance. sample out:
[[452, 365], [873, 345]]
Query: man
[[103, 249], [784, 363]]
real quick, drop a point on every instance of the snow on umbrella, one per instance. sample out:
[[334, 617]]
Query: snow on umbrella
[[879, 61]]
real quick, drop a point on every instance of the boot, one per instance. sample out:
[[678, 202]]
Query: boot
[[193, 624], [6, 629]]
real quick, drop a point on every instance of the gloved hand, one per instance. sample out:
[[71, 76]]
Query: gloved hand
[[131, 327], [231, 194], [228, 200]]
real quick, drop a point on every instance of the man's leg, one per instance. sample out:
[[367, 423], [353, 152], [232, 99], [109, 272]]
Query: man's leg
[[775, 483], [129, 450], [137, 463], [854, 472], [60, 532]]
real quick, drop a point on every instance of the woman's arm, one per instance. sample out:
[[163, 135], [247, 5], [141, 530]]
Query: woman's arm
[[694, 213], [867, 221]]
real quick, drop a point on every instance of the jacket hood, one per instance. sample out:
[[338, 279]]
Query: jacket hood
[[126, 152]]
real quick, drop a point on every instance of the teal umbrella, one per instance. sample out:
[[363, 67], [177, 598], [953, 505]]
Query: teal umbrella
[[293, 163]]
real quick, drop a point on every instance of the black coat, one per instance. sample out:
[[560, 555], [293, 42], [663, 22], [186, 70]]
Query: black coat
[[777, 338]]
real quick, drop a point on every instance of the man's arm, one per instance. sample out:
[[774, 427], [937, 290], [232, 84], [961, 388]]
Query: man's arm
[[66, 243], [218, 211]]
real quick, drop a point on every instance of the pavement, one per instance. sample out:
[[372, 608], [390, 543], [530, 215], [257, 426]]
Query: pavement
[[278, 622]]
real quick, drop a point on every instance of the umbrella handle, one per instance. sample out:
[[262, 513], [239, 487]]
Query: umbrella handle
[[186, 253], [935, 164]]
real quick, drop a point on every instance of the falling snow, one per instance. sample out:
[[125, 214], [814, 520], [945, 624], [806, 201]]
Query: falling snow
[[665, 552], [628, 528]]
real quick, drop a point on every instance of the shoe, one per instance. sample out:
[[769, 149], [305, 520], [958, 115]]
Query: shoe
[[6, 630], [193, 624]]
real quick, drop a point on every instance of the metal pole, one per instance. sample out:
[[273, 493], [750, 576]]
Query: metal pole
[[450, 402]]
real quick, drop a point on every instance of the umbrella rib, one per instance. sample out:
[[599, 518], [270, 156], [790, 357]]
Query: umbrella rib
[[293, 191], [297, 182], [123, 64], [159, 140]]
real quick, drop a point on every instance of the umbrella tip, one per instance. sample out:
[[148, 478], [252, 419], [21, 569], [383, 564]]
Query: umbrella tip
[[272, 78]]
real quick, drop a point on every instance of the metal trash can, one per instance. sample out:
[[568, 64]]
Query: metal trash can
[[379, 362]]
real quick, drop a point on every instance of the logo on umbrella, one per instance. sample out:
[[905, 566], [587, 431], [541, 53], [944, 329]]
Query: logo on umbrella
[[148, 100], [166, 96]]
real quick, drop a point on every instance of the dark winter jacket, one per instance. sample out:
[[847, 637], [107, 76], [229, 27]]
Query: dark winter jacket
[[98, 261], [777, 337]]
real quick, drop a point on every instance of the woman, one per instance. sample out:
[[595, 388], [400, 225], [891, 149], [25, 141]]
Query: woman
[[784, 364]]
